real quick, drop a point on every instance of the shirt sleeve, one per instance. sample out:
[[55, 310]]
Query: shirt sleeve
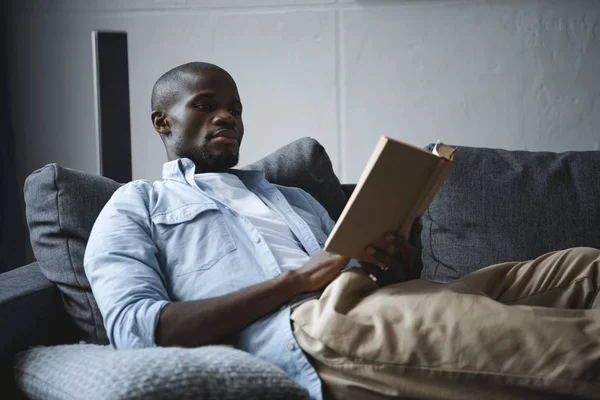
[[122, 267]]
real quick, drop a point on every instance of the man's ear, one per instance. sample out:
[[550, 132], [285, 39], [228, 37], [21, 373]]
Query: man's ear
[[160, 122]]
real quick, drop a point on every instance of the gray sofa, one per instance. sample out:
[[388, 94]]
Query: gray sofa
[[496, 206]]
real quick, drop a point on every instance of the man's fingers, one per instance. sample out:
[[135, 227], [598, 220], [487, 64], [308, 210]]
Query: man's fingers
[[371, 269], [399, 245], [383, 258], [415, 233], [335, 258], [396, 244], [417, 225]]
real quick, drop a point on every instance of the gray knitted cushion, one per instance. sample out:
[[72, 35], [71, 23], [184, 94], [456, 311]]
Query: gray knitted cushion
[[500, 205], [91, 372], [62, 205]]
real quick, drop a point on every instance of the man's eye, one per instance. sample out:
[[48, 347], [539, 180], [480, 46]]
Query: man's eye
[[205, 107], [235, 113]]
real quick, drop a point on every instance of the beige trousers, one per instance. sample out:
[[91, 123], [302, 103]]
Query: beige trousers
[[513, 330]]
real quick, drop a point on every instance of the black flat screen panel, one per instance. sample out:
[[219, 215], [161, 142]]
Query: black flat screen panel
[[112, 99]]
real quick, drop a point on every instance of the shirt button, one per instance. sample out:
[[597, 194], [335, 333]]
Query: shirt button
[[275, 273], [227, 208], [256, 239], [290, 346]]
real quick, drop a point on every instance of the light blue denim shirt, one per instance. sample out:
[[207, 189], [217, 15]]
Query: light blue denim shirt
[[168, 241]]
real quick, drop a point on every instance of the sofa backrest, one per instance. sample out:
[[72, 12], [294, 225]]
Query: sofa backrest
[[500, 205], [496, 206]]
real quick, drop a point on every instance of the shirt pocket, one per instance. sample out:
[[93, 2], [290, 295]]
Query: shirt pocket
[[192, 238]]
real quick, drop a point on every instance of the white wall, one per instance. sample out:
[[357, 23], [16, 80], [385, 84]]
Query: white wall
[[496, 73]]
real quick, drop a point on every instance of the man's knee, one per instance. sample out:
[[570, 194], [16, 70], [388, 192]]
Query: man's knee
[[584, 253]]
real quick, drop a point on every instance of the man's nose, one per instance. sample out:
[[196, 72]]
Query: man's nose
[[224, 117]]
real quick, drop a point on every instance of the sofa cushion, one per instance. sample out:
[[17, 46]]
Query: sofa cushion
[[500, 205], [304, 163], [91, 372], [62, 205]]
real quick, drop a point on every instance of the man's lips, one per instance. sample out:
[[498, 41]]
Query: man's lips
[[224, 139], [228, 136]]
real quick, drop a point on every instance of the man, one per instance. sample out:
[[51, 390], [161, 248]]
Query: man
[[214, 255]]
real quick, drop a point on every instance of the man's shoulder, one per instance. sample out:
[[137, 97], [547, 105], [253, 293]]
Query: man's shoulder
[[143, 197], [140, 191], [135, 189]]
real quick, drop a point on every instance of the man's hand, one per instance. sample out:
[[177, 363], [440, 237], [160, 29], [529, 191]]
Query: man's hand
[[184, 323], [321, 269], [395, 261]]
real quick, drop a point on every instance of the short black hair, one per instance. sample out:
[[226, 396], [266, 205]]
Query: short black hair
[[169, 84]]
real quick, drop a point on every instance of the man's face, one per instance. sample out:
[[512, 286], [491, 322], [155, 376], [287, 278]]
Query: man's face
[[206, 122]]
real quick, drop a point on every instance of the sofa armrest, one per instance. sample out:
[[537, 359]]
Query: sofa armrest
[[31, 311]]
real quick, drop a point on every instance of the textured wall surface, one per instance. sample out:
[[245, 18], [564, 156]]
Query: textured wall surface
[[496, 73]]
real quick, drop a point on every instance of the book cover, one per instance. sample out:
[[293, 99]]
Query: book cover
[[396, 186]]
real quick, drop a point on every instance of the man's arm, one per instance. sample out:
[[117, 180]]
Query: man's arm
[[212, 321], [122, 267], [128, 284]]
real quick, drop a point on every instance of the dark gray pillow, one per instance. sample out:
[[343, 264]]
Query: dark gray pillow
[[62, 205], [500, 205], [304, 163]]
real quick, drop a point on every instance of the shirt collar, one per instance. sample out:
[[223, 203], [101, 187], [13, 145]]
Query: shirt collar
[[183, 170]]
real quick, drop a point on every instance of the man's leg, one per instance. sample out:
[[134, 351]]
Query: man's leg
[[561, 279], [450, 341]]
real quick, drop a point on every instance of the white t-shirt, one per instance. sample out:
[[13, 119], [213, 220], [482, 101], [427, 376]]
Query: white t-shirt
[[229, 189]]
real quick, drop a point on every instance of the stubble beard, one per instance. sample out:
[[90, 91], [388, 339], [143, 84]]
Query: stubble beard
[[208, 161]]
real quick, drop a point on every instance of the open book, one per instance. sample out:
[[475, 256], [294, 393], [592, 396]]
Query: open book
[[396, 186]]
